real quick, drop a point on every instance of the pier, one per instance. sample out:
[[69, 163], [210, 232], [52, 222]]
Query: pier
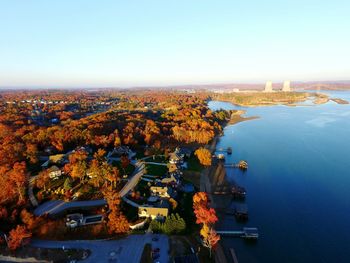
[[246, 233], [233, 254], [230, 165], [228, 150], [243, 165], [237, 192]]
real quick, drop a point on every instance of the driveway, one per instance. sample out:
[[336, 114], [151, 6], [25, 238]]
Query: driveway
[[55, 207], [128, 249], [138, 173]]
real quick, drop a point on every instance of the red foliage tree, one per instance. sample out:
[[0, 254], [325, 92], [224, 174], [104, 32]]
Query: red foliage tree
[[18, 237]]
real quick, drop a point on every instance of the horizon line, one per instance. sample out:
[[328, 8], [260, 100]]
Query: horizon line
[[51, 86]]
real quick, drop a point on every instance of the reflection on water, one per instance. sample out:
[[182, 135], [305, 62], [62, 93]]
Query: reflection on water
[[321, 121], [297, 182]]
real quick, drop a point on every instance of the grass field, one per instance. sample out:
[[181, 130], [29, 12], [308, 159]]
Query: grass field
[[154, 169], [193, 164]]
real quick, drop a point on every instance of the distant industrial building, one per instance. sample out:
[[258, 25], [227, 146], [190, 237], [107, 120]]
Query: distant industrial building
[[286, 86], [268, 86]]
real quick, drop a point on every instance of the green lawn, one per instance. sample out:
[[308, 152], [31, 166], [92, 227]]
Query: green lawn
[[156, 159], [130, 212], [193, 164], [143, 188], [54, 184], [158, 170], [185, 210], [128, 170], [139, 155]]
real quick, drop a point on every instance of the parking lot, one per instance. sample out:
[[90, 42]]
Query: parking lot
[[128, 249]]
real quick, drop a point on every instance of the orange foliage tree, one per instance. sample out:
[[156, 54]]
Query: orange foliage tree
[[77, 166], [18, 237], [207, 217], [117, 222], [210, 237], [204, 156], [19, 177]]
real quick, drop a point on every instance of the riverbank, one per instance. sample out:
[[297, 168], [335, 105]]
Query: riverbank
[[258, 99], [237, 117], [340, 101], [215, 175]]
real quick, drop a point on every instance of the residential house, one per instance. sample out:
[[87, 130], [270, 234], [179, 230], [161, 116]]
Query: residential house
[[57, 159], [170, 179], [175, 158], [164, 192], [118, 152], [172, 167], [54, 172], [159, 210], [185, 152], [75, 220], [153, 212]]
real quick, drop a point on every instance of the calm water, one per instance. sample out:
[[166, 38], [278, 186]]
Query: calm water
[[297, 183]]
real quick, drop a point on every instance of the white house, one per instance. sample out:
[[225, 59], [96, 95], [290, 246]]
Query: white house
[[164, 192], [153, 212], [54, 172], [175, 158]]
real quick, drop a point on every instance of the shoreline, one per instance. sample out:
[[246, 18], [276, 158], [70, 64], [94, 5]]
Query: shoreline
[[237, 117], [206, 182], [316, 100]]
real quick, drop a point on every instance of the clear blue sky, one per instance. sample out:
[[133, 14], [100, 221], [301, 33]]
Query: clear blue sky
[[149, 42]]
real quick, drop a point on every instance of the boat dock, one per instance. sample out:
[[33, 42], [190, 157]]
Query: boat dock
[[243, 165], [230, 165], [228, 150], [233, 254], [246, 233]]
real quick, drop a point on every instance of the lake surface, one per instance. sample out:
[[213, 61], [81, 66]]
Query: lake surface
[[298, 182]]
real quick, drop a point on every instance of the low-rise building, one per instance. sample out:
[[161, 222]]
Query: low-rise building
[[159, 210], [54, 172], [185, 152], [75, 220], [175, 158], [164, 192], [57, 159], [153, 212], [172, 167], [118, 152]]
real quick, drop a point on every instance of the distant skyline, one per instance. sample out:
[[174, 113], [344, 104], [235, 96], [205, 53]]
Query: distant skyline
[[85, 43]]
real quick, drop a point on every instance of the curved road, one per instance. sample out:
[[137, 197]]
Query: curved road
[[54, 207]]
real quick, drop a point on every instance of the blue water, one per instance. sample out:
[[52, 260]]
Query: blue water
[[297, 183]]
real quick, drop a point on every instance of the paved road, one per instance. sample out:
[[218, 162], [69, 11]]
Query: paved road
[[54, 207], [132, 203], [30, 191], [162, 164], [58, 206], [128, 250], [138, 173]]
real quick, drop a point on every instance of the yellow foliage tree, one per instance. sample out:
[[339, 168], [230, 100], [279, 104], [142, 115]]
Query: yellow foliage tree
[[204, 156]]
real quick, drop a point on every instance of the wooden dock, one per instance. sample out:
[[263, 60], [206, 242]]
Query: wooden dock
[[233, 254], [228, 150], [243, 165], [246, 233], [230, 165]]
